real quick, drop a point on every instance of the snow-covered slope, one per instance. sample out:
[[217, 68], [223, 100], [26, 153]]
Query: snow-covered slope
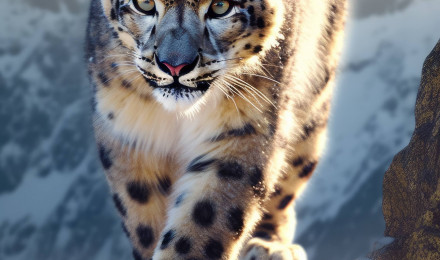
[[54, 201]]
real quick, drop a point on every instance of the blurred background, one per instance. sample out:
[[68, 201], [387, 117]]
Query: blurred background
[[54, 199]]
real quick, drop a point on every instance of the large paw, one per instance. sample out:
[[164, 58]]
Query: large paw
[[259, 249]]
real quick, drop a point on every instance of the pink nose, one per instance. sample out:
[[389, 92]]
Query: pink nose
[[175, 70]]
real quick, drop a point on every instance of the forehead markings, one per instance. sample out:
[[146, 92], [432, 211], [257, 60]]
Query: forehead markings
[[192, 3]]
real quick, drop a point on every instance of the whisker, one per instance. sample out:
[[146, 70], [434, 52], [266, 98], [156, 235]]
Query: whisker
[[127, 72], [239, 58], [241, 95], [112, 61], [272, 65], [124, 65], [131, 54], [224, 90], [261, 76], [254, 89], [267, 71], [135, 78], [109, 57], [247, 90], [228, 96]]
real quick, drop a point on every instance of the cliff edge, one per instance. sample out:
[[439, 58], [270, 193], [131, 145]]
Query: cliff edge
[[411, 186]]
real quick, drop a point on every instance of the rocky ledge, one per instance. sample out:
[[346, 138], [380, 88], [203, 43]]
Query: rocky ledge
[[411, 187]]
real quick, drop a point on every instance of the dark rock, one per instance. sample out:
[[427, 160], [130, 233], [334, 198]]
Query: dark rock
[[411, 187]]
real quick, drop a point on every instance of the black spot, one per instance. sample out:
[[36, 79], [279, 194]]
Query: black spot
[[309, 129], [180, 199], [110, 116], [235, 220], [230, 170], [297, 162], [117, 5], [307, 170], [247, 46], [113, 14], [145, 235], [333, 13], [262, 234], [124, 10], [260, 22], [103, 78], [165, 185], [183, 245], [124, 228], [126, 84], [167, 238], [104, 156], [251, 15], [243, 19], [149, 61], [198, 165], [138, 191], [285, 201], [327, 76], [137, 255], [214, 249], [153, 31], [277, 191], [258, 48], [267, 216], [267, 226], [119, 205], [204, 213], [247, 129]]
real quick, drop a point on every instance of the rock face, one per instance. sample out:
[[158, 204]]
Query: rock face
[[411, 187]]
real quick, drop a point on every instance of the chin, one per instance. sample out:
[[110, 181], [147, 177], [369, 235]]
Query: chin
[[176, 100]]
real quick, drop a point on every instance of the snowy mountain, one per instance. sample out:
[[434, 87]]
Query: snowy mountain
[[54, 200], [340, 216]]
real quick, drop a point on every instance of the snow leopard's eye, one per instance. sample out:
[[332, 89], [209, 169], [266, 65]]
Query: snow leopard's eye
[[145, 6], [219, 8]]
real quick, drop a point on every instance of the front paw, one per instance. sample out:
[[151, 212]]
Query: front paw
[[259, 249]]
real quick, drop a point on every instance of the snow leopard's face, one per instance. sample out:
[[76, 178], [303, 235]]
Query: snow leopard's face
[[187, 50]]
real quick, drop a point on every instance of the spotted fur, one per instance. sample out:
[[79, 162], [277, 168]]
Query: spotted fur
[[208, 127]]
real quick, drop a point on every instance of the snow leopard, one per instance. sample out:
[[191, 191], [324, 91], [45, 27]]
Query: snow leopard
[[210, 117]]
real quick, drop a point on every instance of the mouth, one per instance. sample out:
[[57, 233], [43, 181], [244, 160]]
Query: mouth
[[176, 86], [176, 96], [178, 90]]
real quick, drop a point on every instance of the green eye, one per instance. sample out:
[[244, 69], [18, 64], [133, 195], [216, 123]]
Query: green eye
[[220, 8], [145, 6]]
